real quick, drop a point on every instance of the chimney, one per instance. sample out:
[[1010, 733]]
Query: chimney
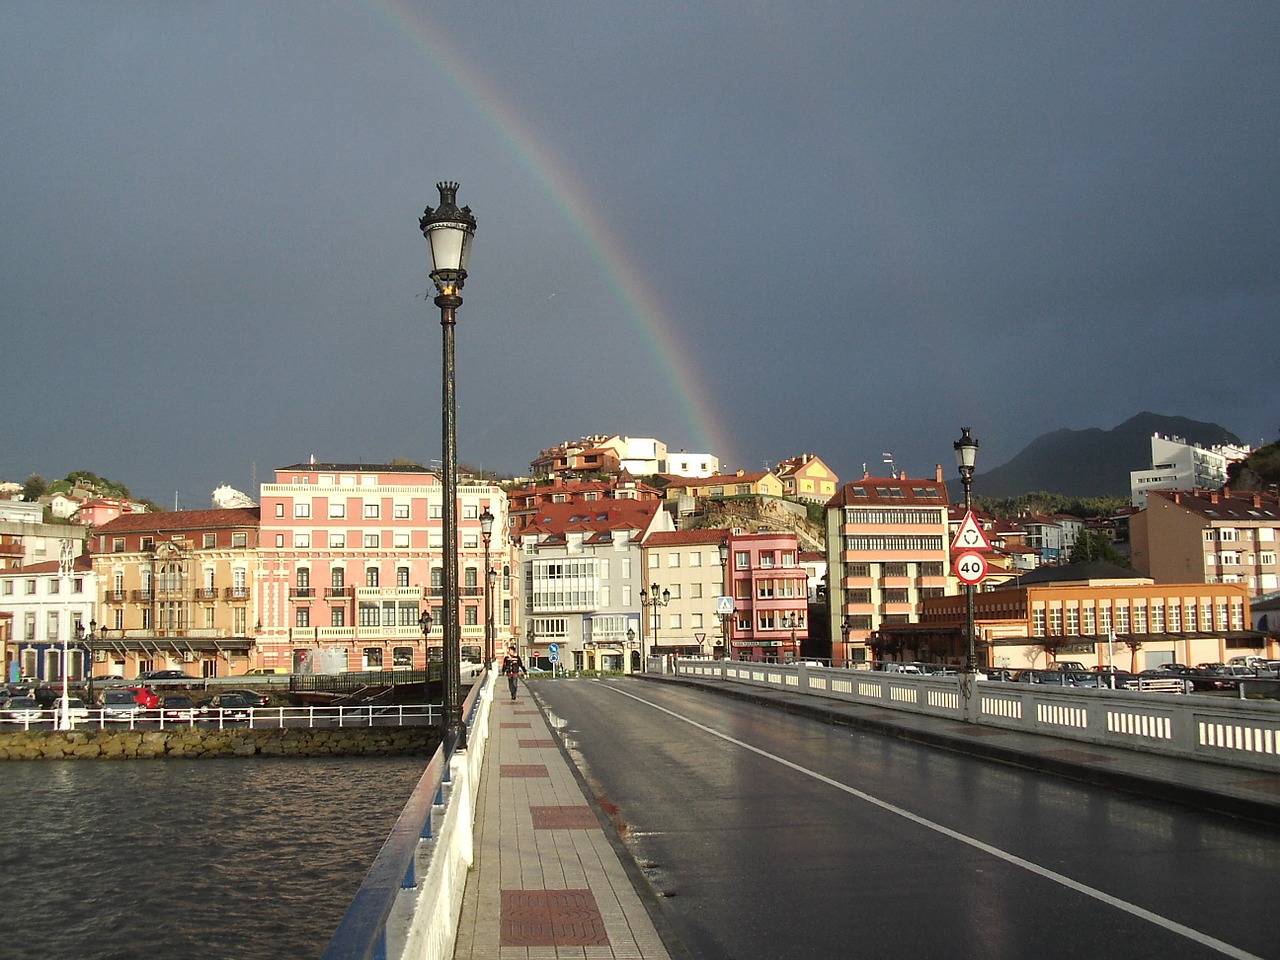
[[1214, 496], [1177, 496], [1257, 500], [1226, 493], [866, 474], [937, 473]]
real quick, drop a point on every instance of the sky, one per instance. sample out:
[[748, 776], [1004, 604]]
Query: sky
[[752, 229]]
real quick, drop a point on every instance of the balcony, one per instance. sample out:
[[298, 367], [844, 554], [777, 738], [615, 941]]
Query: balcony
[[301, 593], [117, 596], [206, 593], [338, 593], [235, 593], [138, 596]]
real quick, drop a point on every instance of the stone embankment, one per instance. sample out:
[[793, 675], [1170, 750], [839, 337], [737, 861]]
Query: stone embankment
[[200, 742]]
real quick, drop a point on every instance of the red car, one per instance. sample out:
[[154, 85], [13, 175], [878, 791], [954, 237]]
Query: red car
[[147, 698]]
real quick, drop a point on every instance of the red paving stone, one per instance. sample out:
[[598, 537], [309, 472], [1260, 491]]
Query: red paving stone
[[523, 770], [515, 725], [551, 918], [537, 744], [564, 818]]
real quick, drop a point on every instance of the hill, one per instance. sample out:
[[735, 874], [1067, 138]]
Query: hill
[[1093, 462]]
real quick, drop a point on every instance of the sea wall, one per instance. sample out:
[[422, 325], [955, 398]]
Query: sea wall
[[198, 742]]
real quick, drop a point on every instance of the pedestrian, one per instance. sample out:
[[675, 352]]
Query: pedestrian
[[513, 666]]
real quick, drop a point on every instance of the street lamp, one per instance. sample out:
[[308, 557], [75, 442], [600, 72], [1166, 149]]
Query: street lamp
[[966, 456], [651, 598], [795, 652], [486, 532], [449, 231], [726, 618], [631, 639]]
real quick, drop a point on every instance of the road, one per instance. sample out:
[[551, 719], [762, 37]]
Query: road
[[773, 836]]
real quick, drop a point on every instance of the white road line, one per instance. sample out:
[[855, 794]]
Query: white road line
[[1133, 909]]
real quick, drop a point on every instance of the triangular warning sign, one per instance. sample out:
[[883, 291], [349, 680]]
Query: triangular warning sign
[[970, 536]]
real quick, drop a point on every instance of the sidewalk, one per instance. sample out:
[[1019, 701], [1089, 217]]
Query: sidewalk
[[548, 879]]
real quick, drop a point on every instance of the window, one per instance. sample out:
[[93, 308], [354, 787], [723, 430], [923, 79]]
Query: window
[[302, 617], [767, 558], [695, 559], [469, 616], [676, 623], [742, 559], [304, 577], [373, 657], [371, 577], [895, 569], [55, 586], [337, 541], [896, 595], [1055, 622], [209, 541], [148, 543], [371, 541], [31, 588], [435, 511], [338, 617], [1037, 623], [117, 544], [279, 509], [402, 541], [302, 510], [372, 511], [402, 576], [302, 540], [8, 588], [240, 620], [401, 511], [470, 511], [673, 560], [239, 540], [280, 540]]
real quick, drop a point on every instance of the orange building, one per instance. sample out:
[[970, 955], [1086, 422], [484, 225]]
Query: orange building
[[1074, 612]]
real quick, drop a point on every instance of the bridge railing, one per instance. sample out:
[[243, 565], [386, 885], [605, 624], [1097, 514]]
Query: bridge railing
[[1241, 733], [410, 900]]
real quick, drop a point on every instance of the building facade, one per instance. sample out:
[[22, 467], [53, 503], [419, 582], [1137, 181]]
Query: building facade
[[807, 478], [1209, 536], [887, 552], [1096, 614], [352, 555], [770, 590], [176, 591], [583, 571], [50, 607], [1179, 465], [684, 571]]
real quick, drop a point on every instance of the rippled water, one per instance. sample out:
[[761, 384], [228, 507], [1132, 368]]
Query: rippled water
[[169, 859]]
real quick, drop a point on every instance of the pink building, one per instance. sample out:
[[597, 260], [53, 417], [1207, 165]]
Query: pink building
[[770, 596], [352, 554]]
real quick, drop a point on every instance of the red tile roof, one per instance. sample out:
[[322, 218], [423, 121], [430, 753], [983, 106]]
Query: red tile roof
[[181, 520], [684, 538]]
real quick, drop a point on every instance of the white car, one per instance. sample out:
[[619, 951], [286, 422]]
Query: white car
[[21, 710]]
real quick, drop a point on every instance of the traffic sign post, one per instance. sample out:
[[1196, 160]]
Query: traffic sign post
[[970, 535]]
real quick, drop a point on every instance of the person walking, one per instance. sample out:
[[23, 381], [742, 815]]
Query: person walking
[[513, 666]]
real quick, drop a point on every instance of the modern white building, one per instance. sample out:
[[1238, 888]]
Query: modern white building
[[1179, 465], [50, 607]]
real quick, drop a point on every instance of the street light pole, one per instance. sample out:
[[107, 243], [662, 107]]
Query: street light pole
[[725, 633], [486, 531], [966, 457], [449, 231], [653, 600]]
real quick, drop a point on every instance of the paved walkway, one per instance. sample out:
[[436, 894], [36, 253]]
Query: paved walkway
[[550, 877]]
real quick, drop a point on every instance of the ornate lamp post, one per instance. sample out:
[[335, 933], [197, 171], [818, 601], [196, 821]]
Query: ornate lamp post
[[966, 456], [424, 624], [449, 231], [725, 618], [631, 639], [486, 533], [791, 622], [650, 598]]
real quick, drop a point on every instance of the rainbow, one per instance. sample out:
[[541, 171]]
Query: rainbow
[[642, 305]]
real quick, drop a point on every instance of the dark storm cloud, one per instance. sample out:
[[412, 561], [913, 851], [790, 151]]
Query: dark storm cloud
[[870, 224]]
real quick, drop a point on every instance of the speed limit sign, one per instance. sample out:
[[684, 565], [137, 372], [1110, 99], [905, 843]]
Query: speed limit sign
[[971, 567]]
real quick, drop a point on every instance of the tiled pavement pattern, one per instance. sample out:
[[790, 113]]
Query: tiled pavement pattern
[[547, 881]]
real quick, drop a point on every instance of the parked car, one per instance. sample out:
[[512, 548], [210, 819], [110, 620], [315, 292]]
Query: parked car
[[268, 672], [120, 704], [178, 707], [900, 668], [147, 698], [252, 697], [1068, 666], [166, 675], [225, 706], [22, 710]]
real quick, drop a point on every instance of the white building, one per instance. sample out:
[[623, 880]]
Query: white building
[[49, 608], [1179, 465]]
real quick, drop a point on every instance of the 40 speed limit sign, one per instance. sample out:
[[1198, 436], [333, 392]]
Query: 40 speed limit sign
[[971, 567]]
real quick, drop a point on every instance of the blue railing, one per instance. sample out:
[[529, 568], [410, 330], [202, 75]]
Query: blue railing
[[362, 934]]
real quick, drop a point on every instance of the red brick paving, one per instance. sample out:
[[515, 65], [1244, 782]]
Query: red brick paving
[[551, 918], [523, 770], [537, 744], [563, 818]]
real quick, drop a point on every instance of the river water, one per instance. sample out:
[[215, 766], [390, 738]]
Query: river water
[[170, 859]]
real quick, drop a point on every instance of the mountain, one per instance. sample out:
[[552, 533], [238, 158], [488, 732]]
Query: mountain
[[1093, 462]]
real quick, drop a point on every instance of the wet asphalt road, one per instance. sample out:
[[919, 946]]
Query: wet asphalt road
[[793, 838]]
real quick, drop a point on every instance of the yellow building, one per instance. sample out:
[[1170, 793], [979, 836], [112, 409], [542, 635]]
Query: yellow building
[[721, 486], [175, 591]]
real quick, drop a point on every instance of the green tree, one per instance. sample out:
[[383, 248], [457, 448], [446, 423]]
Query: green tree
[[1092, 546], [35, 488]]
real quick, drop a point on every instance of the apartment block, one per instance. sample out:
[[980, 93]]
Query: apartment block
[[353, 554], [887, 551], [770, 597], [686, 574]]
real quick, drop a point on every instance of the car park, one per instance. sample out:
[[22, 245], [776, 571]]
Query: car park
[[251, 697], [225, 707], [178, 707], [22, 710], [120, 704]]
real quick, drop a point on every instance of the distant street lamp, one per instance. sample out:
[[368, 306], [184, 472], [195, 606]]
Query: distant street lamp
[[725, 631], [966, 457], [631, 639], [424, 624], [486, 532], [449, 231], [651, 599], [795, 651]]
